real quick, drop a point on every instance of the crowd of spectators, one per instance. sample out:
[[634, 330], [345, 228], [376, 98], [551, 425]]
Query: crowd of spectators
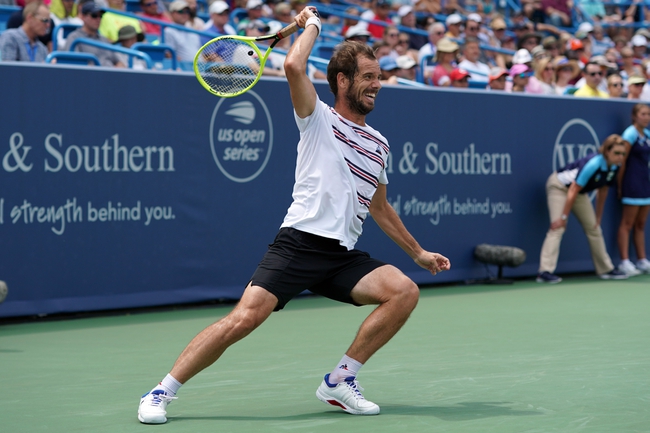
[[553, 47]]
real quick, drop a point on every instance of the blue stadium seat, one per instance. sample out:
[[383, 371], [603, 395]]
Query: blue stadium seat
[[72, 58], [66, 28], [324, 50], [133, 6], [477, 84], [158, 54], [5, 13], [426, 64], [237, 15]]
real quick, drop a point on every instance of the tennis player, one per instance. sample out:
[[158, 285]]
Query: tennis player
[[340, 179]]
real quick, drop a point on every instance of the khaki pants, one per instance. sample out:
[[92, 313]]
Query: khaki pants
[[556, 194]]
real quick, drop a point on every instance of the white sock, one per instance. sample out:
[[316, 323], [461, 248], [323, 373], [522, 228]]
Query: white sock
[[169, 385], [348, 367], [626, 261]]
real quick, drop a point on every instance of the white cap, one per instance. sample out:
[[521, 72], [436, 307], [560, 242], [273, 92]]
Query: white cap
[[453, 19], [474, 17], [404, 10], [639, 41], [585, 27], [521, 56], [405, 62], [218, 7], [358, 30], [252, 4]]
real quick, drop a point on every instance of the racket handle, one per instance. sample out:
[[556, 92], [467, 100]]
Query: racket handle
[[288, 30], [293, 27]]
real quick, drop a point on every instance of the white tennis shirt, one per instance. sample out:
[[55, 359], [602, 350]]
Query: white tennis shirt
[[339, 166]]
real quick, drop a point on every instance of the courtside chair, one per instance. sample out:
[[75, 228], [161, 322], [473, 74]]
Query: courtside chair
[[72, 58], [158, 54]]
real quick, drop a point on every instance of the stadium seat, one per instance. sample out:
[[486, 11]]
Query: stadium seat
[[473, 84], [72, 58], [324, 50], [237, 15], [5, 13], [133, 6], [66, 28], [426, 67], [158, 54]]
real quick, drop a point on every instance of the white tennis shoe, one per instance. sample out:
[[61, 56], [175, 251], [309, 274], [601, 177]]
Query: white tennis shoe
[[628, 268], [643, 265], [152, 407], [346, 395]]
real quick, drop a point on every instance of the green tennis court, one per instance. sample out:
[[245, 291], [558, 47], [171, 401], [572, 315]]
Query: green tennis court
[[573, 357]]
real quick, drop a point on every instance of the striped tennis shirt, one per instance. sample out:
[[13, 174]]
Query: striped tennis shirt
[[339, 167]]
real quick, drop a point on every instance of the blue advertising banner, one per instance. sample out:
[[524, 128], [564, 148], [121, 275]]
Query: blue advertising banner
[[123, 189]]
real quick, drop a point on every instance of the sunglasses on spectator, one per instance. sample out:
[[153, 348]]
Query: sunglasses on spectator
[[404, 41], [549, 68], [183, 11], [524, 75], [96, 15], [616, 84], [637, 84], [595, 74], [472, 28], [43, 20], [393, 35], [438, 33], [619, 153]]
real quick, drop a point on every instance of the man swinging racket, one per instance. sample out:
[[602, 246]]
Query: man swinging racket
[[340, 178]]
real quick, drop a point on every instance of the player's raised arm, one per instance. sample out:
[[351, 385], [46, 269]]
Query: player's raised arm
[[303, 93]]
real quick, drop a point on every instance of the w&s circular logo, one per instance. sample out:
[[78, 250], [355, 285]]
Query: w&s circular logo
[[575, 140], [241, 136]]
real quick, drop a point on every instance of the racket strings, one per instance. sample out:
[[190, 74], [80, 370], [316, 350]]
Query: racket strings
[[228, 66]]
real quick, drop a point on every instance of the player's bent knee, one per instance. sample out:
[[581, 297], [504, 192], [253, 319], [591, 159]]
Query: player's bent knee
[[411, 293]]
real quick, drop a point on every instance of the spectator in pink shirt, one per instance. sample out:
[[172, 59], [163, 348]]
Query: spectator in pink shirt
[[151, 9]]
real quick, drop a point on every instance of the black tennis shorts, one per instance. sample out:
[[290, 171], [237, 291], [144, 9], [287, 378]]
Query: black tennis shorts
[[297, 261]]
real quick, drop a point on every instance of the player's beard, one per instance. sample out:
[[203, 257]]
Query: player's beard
[[355, 103]]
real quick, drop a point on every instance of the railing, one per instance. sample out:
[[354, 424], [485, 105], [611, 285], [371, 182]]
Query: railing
[[127, 51]]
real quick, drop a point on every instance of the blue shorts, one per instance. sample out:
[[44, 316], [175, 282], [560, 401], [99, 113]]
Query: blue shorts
[[297, 261]]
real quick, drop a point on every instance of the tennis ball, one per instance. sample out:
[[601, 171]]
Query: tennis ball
[[3, 290]]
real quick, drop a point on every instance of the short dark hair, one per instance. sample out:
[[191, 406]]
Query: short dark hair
[[345, 60], [587, 65]]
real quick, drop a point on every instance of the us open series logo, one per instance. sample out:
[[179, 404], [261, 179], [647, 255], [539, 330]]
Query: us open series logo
[[241, 136]]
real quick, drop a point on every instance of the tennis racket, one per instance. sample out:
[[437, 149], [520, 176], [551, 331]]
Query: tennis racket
[[230, 65]]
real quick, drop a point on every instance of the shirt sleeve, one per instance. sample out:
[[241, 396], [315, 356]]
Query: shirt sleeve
[[630, 135], [8, 47], [589, 169], [303, 123]]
